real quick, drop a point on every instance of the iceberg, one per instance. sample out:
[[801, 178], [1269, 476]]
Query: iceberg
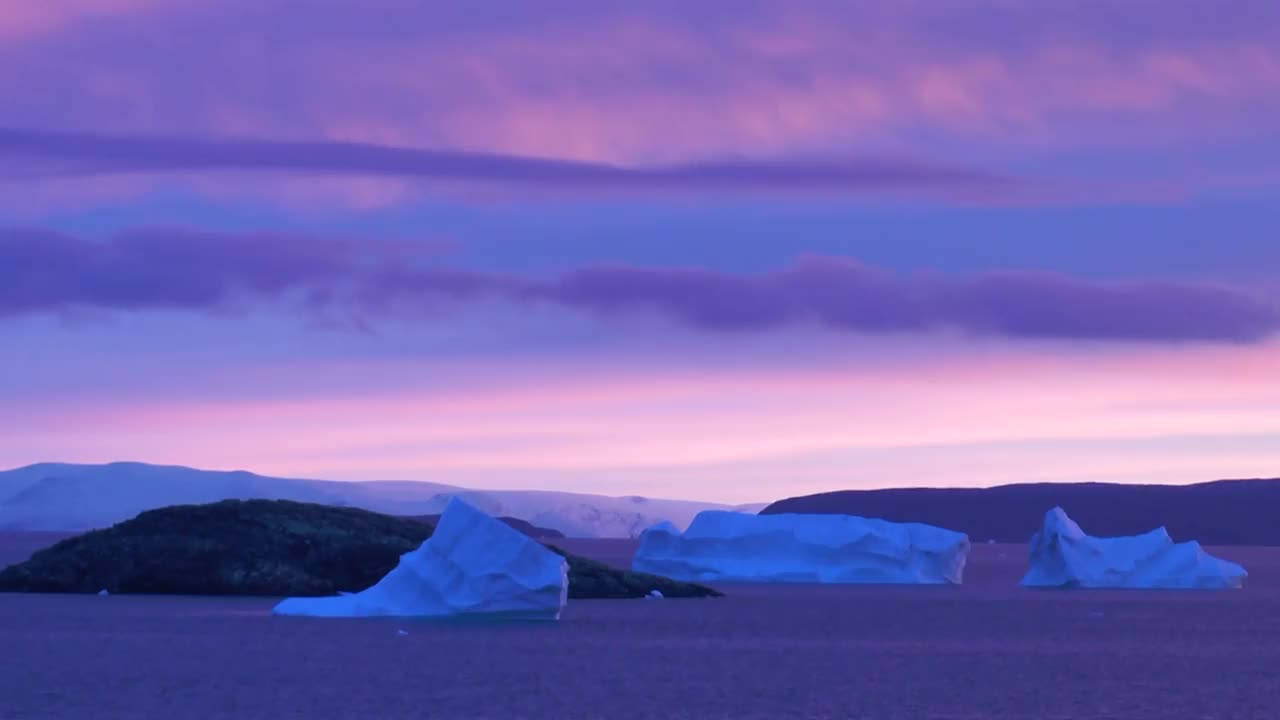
[[472, 565], [726, 546], [1063, 556]]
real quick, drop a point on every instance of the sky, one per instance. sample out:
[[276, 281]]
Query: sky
[[731, 251]]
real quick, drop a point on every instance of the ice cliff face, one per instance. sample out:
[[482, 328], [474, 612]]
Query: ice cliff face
[[473, 564], [1062, 555], [722, 546]]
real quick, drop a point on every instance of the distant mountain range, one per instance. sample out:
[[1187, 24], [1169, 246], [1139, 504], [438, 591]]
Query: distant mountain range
[[72, 498], [1224, 512], [68, 497]]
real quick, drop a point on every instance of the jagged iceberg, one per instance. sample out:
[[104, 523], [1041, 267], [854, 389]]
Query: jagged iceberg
[[724, 546], [1063, 556], [473, 564]]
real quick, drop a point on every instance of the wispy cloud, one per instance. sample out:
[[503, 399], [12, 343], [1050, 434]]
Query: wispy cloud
[[1013, 86], [141, 270], [33, 152]]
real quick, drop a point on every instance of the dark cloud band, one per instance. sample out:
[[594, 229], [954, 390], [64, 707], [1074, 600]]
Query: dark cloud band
[[32, 152], [42, 271]]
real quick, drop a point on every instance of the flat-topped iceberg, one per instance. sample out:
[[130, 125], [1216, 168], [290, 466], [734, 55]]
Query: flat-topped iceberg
[[473, 565], [1063, 556], [724, 546]]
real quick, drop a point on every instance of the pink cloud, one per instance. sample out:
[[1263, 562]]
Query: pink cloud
[[20, 19], [657, 85], [852, 93]]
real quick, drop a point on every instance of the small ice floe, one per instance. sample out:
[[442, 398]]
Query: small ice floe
[[1096, 614], [991, 542], [103, 592], [654, 595], [402, 631]]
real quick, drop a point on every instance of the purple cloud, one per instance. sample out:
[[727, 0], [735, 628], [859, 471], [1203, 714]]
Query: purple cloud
[[156, 269], [847, 295], [63, 154]]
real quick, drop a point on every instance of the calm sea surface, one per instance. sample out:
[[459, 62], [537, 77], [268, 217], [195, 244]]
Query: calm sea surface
[[987, 649]]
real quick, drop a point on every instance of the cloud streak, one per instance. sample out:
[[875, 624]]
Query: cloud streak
[[77, 154], [1083, 95], [153, 269], [842, 294]]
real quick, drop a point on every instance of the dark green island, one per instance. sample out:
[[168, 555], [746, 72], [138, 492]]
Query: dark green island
[[269, 548]]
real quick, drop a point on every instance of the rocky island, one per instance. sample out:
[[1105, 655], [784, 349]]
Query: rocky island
[[269, 548]]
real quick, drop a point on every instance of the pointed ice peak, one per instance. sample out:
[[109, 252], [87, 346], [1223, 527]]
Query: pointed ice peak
[[1058, 522], [460, 515]]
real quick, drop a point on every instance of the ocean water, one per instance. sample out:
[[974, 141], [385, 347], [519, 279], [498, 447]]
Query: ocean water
[[987, 649]]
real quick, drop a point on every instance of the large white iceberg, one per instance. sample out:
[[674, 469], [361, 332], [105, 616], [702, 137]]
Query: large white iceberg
[[1062, 555], [473, 564], [723, 546]]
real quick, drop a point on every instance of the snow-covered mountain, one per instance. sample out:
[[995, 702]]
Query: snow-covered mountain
[[58, 496]]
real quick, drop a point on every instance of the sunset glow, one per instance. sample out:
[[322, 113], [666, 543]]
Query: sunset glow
[[652, 249]]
